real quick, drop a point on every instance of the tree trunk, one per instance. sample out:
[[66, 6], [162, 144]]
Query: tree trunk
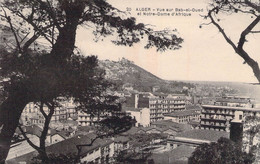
[[10, 112], [43, 154], [252, 63], [12, 107]]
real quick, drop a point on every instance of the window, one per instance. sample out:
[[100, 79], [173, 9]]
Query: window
[[240, 117]]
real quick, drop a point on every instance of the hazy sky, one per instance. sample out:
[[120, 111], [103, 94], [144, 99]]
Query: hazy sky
[[204, 54]]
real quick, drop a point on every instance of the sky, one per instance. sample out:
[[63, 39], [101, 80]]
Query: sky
[[204, 56]]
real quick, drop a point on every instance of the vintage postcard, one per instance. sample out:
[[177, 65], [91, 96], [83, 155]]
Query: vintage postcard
[[133, 81]]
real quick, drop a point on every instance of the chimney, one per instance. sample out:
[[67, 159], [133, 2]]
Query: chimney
[[236, 128], [136, 100]]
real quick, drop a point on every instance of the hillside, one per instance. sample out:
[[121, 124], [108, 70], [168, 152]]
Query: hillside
[[126, 73], [123, 73]]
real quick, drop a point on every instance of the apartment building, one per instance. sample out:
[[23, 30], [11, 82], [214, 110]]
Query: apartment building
[[141, 115], [184, 116], [86, 119], [219, 117], [164, 104], [100, 152], [32, 115], [234, 101]]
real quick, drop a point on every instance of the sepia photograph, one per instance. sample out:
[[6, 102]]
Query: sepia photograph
[[129, 82]]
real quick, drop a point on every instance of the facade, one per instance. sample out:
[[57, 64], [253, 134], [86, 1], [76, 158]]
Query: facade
[[60, 114], [234, 101], [121, 143], [86, 119], [218, 117], [137, 106], [184, 116], [100, 152], [164, 104], [141, 115], [31, 114]]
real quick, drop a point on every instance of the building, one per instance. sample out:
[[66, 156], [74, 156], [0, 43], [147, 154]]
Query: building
[[164, 124], [137, 106], [32, 115], [33, 132], [195, 137], [234, 101], [159, 130], [218, 117], [121, 143], [184, 116], [156, 88], [101, 151], [141, 115], [86, 119], [179, 155], [161, 104]]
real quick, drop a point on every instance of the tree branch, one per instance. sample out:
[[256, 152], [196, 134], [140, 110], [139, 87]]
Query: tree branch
[[46, 127], [246, 32], [8, 18], [239, 50], [254, 6], [220, 29], [27, 139], [79, 147], [254, 32], [29, 42], [51, 13], [42, 111], [34, 26]]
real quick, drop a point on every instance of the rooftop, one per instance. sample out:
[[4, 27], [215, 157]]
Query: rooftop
[[68, 147], [169, 123], [232, 100], [177, 155], [182, 113], [193, 107], [133, 130], [160, 129], [232, 108], [124, 108], [202, 134], [121, 139], [33, 129]]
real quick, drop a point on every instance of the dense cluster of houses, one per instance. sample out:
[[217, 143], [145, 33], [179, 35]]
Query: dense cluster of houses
[[185, 126]]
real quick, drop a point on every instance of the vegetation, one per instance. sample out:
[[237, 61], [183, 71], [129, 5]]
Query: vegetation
[[30, 73], [225, 9], [126, 72], [224, 151], [139, 151], [250, 135]]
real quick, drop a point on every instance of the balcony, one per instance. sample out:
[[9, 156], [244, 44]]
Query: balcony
[[213, 125], [216, 113], [213, 119]]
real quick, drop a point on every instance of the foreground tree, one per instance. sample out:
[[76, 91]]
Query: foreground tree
[[31, 75], [107, 127], [224, 151], [251, 136], [94, 100], [219, 9], [47, 118], [140, 148]]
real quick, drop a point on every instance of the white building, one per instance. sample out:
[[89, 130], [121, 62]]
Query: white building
[[32, 115], [141, 115]]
